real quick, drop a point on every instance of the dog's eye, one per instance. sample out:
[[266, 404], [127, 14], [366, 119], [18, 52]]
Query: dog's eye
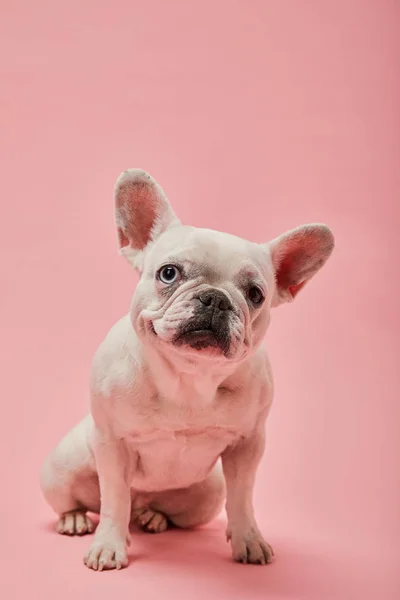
[[255, 295], [169, 274]]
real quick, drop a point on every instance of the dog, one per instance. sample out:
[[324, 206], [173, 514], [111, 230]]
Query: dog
[[181, 386]]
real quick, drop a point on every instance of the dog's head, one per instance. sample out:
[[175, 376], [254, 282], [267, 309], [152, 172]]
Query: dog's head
[[202, 293]]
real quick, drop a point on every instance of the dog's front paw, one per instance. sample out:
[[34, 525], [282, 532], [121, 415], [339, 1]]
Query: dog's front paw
[[106, 553], [249, 547]]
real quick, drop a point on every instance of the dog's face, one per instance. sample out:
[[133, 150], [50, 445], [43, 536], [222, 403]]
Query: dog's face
[[202, 293]]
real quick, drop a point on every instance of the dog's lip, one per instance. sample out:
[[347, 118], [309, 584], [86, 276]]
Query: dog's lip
[[198, 336], [197, 332]]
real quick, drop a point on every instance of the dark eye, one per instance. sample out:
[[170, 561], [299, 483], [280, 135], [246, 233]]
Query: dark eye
[[255, 295], [169, 274]]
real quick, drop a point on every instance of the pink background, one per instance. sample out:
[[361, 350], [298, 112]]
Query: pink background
[[255, 116]]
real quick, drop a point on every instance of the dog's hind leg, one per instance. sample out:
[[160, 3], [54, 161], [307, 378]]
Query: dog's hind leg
[[69, 482]]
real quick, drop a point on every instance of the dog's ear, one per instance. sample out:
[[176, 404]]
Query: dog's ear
[[296, 257], [142, 213]]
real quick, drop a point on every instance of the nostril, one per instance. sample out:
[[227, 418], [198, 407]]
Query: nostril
[[216, 299], [206, 299], [224, 304]]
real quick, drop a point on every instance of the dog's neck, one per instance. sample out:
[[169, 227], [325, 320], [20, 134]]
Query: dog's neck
[[181, 378]]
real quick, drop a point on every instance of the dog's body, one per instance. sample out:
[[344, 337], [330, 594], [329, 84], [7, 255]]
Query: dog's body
[[181, 387]]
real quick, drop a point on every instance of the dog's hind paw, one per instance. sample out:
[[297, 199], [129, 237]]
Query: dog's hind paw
[[75, 523], [151, 521]]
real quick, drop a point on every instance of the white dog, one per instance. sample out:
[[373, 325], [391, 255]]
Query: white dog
[[181, 387]]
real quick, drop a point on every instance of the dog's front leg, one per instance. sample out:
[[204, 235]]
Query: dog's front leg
[[240, 463], [109, 547]]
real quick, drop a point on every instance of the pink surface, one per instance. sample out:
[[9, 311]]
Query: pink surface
[[255, 116]]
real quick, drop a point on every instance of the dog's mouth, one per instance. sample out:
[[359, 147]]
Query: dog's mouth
[[198, 338], [203, 335]]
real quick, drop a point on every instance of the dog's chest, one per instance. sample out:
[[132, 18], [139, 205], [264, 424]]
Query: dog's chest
[[180, 448]]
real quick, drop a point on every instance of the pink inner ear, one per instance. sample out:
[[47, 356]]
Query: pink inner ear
[[287, 275], [142, 224], [123, 240], [298, 255], [294, 289], [139, 219]]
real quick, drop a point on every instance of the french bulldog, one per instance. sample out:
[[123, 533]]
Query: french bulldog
[[181, 386]]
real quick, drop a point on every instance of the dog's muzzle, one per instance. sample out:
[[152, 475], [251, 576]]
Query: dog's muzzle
[[209, 327]]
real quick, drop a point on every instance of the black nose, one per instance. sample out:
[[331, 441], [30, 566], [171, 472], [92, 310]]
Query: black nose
[[216, 299]]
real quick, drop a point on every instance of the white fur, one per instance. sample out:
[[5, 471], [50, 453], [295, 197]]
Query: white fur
[[173, 430]]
